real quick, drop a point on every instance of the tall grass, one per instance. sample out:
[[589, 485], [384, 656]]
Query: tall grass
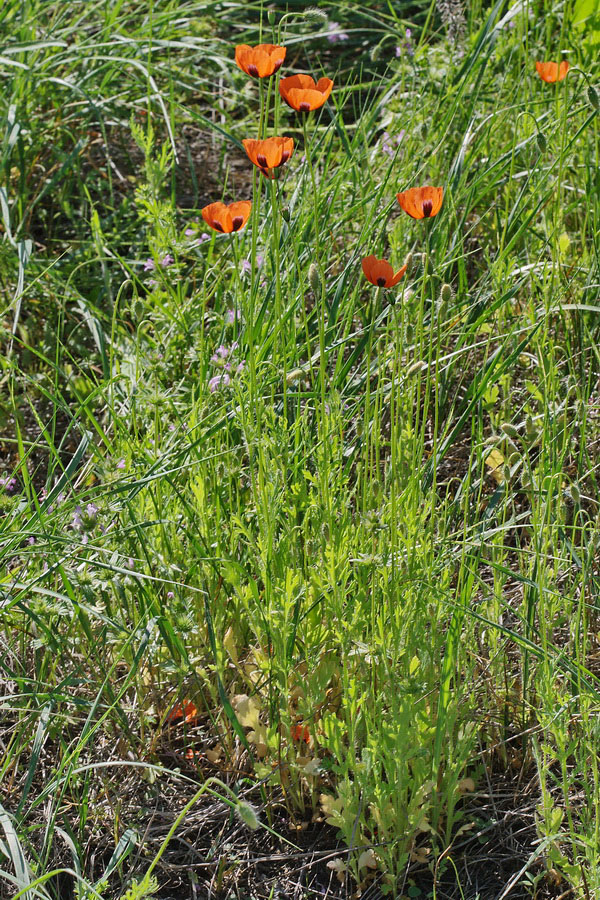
[[369, 556]]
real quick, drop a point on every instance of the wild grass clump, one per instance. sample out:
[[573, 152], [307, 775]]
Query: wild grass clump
[[298, 433]]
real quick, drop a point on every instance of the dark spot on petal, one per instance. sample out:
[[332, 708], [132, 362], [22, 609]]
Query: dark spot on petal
[[217, 226], [265, 172], [261, 160], [252, 70], [304, 106], [381, 281], [278, 65], [284, 157], [237, 222], [427, 208]]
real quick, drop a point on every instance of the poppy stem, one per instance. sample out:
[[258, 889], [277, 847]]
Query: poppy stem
[[278, 327], [319, 300]]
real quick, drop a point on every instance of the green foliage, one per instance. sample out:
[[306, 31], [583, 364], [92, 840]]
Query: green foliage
[[351, 532]]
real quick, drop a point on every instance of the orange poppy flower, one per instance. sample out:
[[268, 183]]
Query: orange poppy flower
[[260, 61], [551, 71], [186, 711], [301, 733], [225, 218], [380, 273], [270, 153], [421, 203], [302, 94]]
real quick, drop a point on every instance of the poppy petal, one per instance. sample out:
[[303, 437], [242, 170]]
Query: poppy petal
[[303, 82]]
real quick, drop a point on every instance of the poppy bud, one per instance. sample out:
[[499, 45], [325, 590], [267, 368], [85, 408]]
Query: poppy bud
[[314, 279], [446, 293], [285, 213], [416, 367], [314, 12], [408, 262], [514, 458], [376, 52], [530, 429], [593, 97], [248, 815], [410, 332], [510, 431], [138, 309], [542, 141], [271, 16], [294, 376], [574, 490]]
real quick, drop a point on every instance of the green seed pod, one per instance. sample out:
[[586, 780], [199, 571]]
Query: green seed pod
[[593, 98], [542, 141], [314, 279]]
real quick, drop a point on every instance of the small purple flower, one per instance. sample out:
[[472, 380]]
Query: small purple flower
[[190, 232], [246, 266], [91, 510], [406, 47], [149, 265], [388, 142], [167, 260], [170, 595], [203, 237], [9, 484], [336, 35], [131, 563], [231, 315], [31, 540], [171, 427], [121, 464], [220, 354], [218, 381]]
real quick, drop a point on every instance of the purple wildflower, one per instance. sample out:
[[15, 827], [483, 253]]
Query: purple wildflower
[[170, 595], [9, 484], [166, 260], [336, 35], [388, 142], [218, 381], [231, 315], [149, 265]]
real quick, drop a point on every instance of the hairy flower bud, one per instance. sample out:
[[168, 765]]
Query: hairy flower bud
[[248, 814], [593, 98], [314, 279], [446, 293], [542, 141]]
